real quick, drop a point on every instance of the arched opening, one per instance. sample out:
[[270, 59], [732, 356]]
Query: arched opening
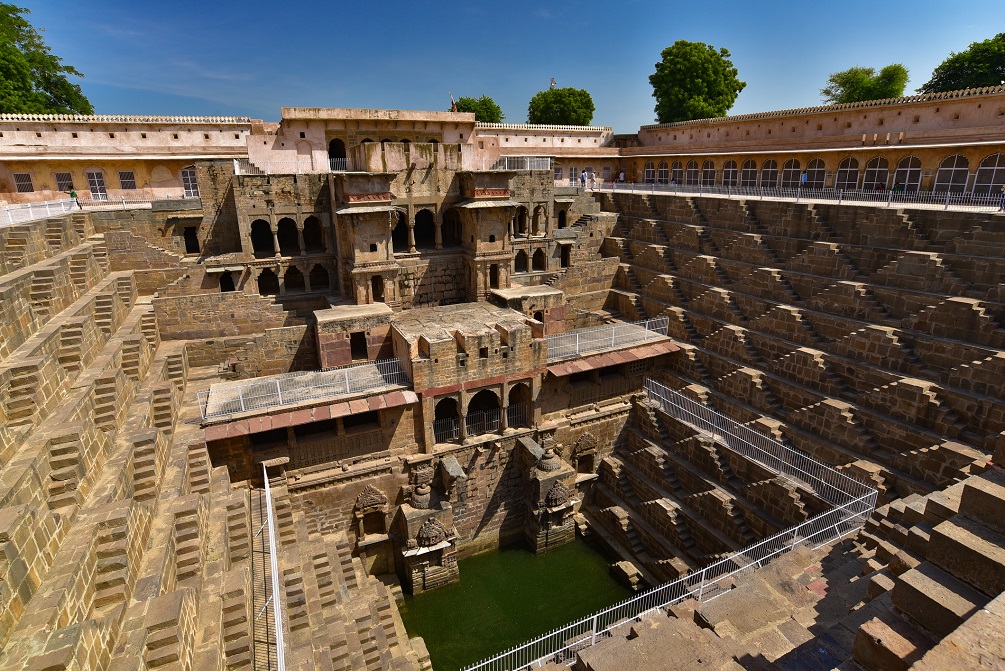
[[677, 172], [520, 221], [446, 420], [748, 174], [908, 175], [520, 262], [791, 174], [847, 175], [562, 218], [708, 172], [815, 174], [262, 243], [991, 175], [386, 141], [399, 235], [319, 278], [483, 413], [538, 260], [662, 173], [953, 174], [769, 174], [729, 173], [366, 140], [227, 282], [294, 280], [314, 238], [377, 288], [336, 149], [877, 174], [494, 276], [289, 240], [450, 230], [691, 173], [649, 174], [539, 220], [425, 230], [518, 412], [268, 283], [539, 316]]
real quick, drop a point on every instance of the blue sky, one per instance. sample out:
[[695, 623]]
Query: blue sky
[[252, 58]]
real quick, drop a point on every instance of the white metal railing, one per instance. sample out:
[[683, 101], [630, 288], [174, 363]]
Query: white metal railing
[[946, 200], [522, 163], [447, 429], [609, 336], [20, 213], [274, 597], [298, 166], [853, 504], [481, 422], [231, 398]]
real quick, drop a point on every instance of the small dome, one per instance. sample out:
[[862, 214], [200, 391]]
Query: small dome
[[549, 461], [431, 532], [420, 497]]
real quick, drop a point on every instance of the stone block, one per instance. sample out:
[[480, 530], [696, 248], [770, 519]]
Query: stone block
[[888, 643], [934, 599], [971, 552]]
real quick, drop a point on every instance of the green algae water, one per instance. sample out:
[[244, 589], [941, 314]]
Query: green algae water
[[506, 597]]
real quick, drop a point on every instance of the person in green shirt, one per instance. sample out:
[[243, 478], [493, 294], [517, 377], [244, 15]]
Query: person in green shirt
[[73, 195]]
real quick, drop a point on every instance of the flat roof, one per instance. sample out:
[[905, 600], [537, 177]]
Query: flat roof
[[437, 322]]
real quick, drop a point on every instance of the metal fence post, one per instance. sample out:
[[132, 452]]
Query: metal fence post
[[279, 392], [840, 196], [947, 200]]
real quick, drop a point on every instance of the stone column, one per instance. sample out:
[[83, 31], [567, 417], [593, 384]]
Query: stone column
[[274, 229], [307, 281], [300, 239], [464, 416], [411, 238], [438, 232]]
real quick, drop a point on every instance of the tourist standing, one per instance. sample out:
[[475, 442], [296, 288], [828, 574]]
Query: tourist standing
[[582, 179], [621, 177], [802, 180], [73, 197], [593, 180], [1001, 201]]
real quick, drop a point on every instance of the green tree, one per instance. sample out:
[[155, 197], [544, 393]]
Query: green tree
[[485, 109], [32, 79], [982, 64], [857, 84], [694, 81], [563, 106]]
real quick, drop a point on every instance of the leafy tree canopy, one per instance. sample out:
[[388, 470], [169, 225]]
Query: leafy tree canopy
[[32, 79], [485, 108], [561, 106], [694, 81], [982, 64], [857, 84]]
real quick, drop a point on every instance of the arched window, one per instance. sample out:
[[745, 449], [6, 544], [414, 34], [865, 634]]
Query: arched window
[[691, 174], [791, 174], [649, 176], [294, 279], [289, 240], [446, 420], [268, 283], [815, 174], [336, 149], [520, 262], [708, 172], [520, 405], [769, 174], [847, 175], [520, 221], [877, 174], [319, 278], [483, 413], [425, 230], [450, 230], [908, 173], [261, 239], [662, 173], [314, 238], [748, 174], [539, 260], [729, 173], [676, 172], [399, 234], [991, 175], [539, 220], [953, 174]]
